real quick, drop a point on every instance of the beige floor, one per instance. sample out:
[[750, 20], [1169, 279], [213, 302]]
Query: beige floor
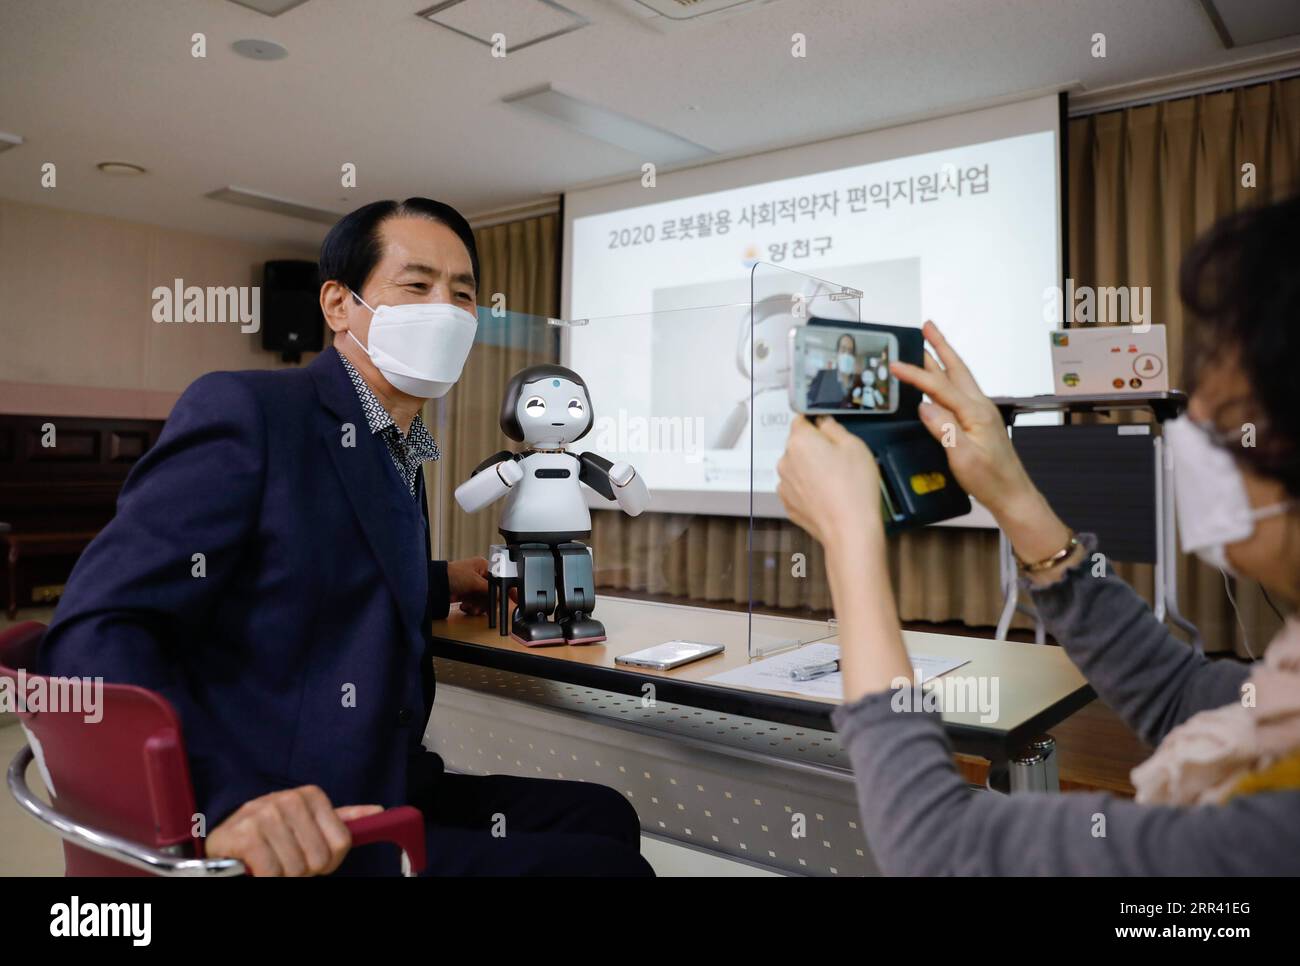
[[25, 847]]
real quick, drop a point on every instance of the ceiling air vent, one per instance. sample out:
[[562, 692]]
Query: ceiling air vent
[[1240, 23], [668, 13], [523, 23]]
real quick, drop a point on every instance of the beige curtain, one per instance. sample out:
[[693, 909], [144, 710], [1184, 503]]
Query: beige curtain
[[518, 261], [940, 574], [1143, 183]]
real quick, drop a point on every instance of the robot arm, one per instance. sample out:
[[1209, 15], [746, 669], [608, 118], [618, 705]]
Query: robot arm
[[629, 488], [490, 480], [615, 481]]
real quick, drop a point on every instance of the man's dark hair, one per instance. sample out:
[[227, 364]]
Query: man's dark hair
[[351, 250], [1241, 282]]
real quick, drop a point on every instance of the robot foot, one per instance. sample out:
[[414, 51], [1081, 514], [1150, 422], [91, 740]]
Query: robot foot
[[536, 631], [580, 629]]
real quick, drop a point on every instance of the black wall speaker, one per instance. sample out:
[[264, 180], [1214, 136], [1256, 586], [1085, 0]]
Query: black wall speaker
[[291, 318]]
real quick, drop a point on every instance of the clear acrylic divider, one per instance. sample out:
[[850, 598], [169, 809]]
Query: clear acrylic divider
[[789, 597], [668, 390], [466, 424]]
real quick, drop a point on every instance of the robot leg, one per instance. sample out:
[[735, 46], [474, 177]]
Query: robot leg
[[577, 595], [536, 582]]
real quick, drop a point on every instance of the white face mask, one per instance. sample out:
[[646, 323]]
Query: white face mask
[[846, 362], [420, 348], [1210, 495]]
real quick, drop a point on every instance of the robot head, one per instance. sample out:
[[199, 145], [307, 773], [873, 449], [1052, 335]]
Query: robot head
[[546, 405]]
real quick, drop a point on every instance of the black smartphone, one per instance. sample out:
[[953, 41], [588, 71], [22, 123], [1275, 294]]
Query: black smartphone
[[916, 485], [842, 371]]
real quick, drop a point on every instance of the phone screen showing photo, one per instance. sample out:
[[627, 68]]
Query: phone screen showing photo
[[843, 371]]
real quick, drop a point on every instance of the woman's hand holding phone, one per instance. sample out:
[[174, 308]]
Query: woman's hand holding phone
[[829, 483], [830, 486]]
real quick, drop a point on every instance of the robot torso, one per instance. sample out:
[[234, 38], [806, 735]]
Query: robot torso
[[549, 498]]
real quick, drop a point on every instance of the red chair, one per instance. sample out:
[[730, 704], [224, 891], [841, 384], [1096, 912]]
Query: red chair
[[121, 792]]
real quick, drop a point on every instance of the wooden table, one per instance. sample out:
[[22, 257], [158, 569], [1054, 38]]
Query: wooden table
[[1038, 687], [713, 767]]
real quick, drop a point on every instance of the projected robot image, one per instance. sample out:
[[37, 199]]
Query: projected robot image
[[762, 339], [763, 358], [548, 407]]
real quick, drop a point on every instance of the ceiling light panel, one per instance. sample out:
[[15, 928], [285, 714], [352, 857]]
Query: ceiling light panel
[[523, 23], [279, 206], [272, 8], [646, 142]]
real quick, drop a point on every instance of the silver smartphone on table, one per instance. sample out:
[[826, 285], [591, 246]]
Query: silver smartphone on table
[[664, 657]]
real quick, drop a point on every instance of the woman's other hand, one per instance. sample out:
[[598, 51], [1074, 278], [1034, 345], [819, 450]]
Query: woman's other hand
[[830, 486], [829, 483]]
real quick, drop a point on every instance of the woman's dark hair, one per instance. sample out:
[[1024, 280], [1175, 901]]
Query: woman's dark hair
[[351, 249], [1241, 282]]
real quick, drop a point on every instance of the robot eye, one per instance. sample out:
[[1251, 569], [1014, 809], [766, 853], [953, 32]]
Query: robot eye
[[536, 406], [760, 350], [575, 408]]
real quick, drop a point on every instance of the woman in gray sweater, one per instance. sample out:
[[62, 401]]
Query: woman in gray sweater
[[1221, 794]]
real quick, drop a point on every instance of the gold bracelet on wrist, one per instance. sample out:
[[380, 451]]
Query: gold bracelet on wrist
[[1047, 563]]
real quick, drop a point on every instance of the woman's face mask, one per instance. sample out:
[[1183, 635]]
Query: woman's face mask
[[846, 362], [420, 347], [1210, 494]]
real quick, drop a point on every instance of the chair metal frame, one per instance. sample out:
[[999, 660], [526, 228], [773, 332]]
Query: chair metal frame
[[402, 826]]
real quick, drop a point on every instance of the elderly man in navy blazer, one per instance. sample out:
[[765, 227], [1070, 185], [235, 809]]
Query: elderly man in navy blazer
[[268, 572]]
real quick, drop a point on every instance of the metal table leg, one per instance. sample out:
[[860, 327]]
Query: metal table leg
[[1035, 768]]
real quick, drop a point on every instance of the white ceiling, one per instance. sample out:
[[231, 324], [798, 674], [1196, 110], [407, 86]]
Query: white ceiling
[[417, 108]]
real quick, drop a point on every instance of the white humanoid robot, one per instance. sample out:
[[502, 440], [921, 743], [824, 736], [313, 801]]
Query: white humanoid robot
[[548, 407]]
